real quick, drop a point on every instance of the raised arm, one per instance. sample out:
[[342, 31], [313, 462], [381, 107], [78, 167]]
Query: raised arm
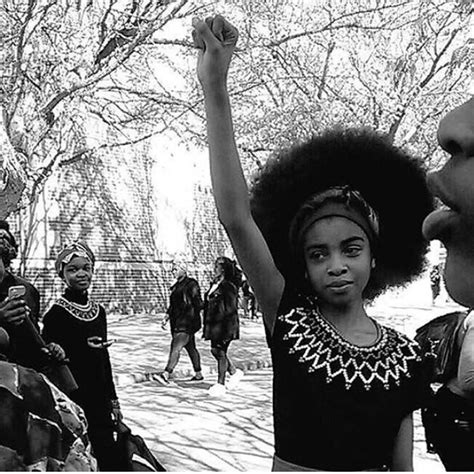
[[216, 39]]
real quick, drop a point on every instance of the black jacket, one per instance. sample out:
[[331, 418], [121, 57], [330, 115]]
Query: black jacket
[[185, 306], [221, 319]]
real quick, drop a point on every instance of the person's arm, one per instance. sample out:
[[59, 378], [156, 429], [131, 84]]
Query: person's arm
[[196, 297], [402, 456], [109, 382], [216, 39], [466, 358]]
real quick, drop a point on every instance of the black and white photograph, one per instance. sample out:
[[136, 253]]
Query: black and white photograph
[[236, 235]]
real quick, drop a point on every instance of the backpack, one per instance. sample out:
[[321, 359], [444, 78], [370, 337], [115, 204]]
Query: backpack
[[437, 339]]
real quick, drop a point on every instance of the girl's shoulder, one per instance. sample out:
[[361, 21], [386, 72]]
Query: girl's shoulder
[[398, 337]]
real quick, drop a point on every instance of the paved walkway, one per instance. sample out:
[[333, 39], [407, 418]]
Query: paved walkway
[[142, 349]]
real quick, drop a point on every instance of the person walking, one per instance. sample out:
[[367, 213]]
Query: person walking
[[184, 316], [221, 321]]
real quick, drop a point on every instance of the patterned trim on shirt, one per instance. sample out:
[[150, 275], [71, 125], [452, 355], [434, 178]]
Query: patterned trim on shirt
[[87, 312], [319, 346]]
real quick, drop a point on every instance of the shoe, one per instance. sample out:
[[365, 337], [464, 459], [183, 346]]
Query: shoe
[[196, 379], [161, 378], [234, 379], [217, 390]]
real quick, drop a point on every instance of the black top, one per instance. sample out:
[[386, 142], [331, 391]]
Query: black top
[[24, 347], [338, 406], [73, 319], [221, 319], [185, 306]]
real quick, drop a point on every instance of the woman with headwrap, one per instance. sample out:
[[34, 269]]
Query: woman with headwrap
[[78, 324]]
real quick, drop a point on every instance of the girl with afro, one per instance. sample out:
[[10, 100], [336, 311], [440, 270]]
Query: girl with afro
[[330, 224]]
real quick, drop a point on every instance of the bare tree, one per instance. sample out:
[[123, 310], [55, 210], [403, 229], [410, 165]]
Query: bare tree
[[393, 65]]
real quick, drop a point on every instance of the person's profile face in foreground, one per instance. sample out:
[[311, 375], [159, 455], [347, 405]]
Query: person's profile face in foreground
[[453, 224]]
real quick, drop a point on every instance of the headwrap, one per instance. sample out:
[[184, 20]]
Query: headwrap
[[75, 249], [338, 201]]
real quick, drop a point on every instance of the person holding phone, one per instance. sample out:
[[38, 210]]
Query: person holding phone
[[78, 324], [19, 311]]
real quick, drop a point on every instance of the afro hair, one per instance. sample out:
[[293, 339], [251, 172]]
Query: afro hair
[[390, 180]]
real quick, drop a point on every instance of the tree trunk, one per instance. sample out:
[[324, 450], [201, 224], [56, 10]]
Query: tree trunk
[[12, 175]]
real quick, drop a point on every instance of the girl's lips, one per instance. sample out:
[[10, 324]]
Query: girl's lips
[[339, 287], [437, 224]]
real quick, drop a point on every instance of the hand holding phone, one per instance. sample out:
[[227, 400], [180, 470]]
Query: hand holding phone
[[15, 292], [13, 309], [97, 342]]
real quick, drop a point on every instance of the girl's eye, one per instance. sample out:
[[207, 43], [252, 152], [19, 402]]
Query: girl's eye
[[353, 251], [316, 255]]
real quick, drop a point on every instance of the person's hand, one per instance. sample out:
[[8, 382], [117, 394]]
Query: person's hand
[[55, 351], [117, 415], [95, 342], [216, 39], [13, 311]]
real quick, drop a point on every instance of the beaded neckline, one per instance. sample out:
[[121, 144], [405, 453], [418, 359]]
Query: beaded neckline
[[84, 312], [340, 337], [316, 344]]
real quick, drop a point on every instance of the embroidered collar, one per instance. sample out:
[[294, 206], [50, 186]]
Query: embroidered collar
[[319, 346], [86, 312]]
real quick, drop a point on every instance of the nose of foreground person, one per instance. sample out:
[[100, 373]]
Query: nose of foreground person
[[456, 131]]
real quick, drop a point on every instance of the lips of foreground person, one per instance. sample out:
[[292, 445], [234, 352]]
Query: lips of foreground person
[[438, 224]]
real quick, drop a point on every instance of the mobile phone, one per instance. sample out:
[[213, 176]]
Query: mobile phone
[[16, 292], [108, 343]]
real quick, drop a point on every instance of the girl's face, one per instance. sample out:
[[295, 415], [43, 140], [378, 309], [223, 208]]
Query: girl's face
[[218, 270], [78, 273], [338, 260]]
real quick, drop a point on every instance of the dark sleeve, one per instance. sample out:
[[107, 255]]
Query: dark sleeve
[[196, 297], [54, 327], [465, 371], [420, 391], [109, 379], [229, 299], [35, 305]]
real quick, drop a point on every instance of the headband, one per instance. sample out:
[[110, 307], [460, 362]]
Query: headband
[[334, 202]]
